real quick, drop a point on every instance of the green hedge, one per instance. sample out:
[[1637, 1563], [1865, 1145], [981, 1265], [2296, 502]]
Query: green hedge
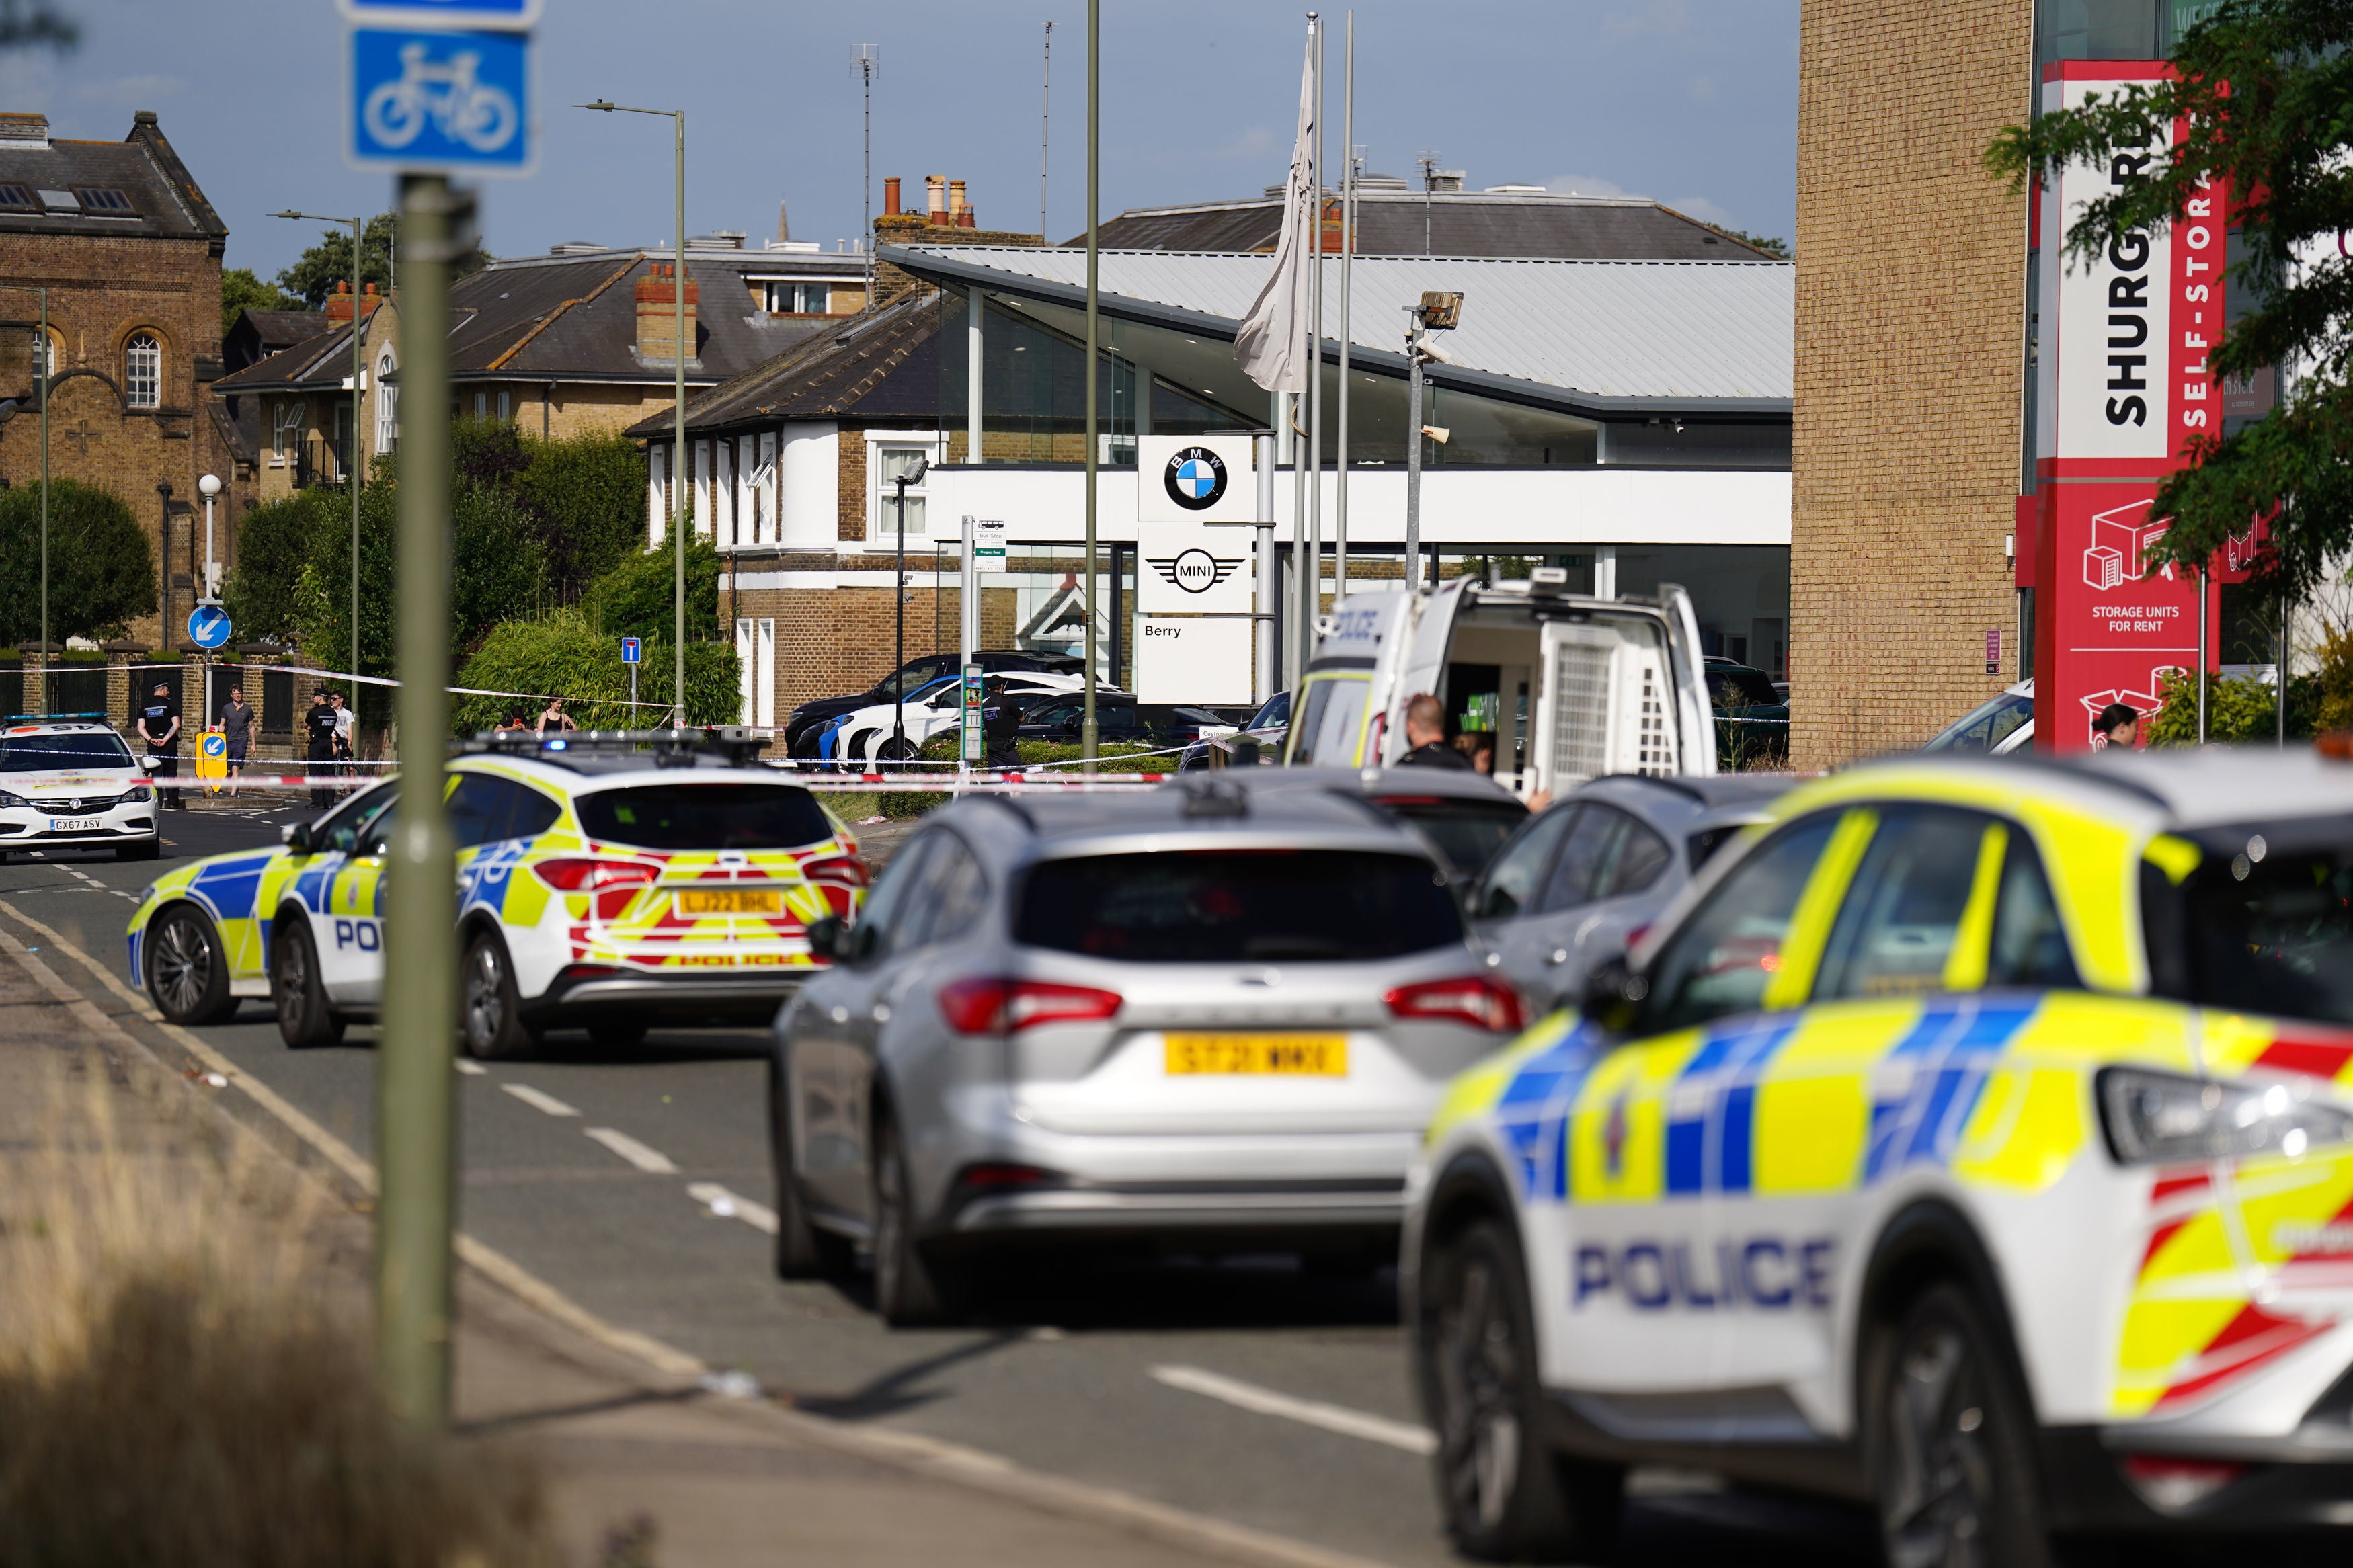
[[564, 653]]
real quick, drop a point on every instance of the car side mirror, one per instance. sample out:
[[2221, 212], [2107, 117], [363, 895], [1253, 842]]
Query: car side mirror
[[296, 836], [1614, 993], [149, 764], [825, 935]]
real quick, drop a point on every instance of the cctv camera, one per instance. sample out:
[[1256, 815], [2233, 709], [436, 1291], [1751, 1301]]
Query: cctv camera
[[1427, 347]]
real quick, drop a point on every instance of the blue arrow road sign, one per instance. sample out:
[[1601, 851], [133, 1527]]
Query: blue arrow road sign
[[424, 102], [633, 651], [208, 625], [499, 14]]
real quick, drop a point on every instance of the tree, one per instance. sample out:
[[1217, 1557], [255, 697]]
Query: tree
[[589, 495], [639, 596], [317, 270], [242, 291], [565, 654], [272, 541], [101, 568], [1776, 248], [2266, 90]]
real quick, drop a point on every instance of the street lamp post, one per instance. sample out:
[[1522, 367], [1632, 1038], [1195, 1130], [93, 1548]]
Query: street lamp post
[[679, 522], [912, 475], [350, 459], [1437, 311]]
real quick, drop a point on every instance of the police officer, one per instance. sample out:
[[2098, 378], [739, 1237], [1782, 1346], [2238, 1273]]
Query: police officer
[[319, 725], [1000, 725], [159, 726], [1425, 737]]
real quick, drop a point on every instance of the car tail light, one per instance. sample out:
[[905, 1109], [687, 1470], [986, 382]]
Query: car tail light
[[614, 883], [993, 1004], [1000, 1176], [1478, 1000], [839, 878]]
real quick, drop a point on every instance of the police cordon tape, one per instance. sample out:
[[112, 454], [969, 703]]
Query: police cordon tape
[[830, 784]]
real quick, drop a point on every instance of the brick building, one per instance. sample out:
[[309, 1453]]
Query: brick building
[[130, 252], [1914, 428]]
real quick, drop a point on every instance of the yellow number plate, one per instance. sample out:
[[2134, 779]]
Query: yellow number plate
[[1303, 1055], [690, 903]]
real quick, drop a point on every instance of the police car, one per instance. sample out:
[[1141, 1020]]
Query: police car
[[71, 783], [608, 882], [1974, 1139]]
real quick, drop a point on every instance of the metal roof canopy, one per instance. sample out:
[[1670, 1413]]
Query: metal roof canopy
[[1714, 339]]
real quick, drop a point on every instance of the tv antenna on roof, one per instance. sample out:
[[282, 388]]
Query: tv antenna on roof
[[866, 59], [1427, 160]]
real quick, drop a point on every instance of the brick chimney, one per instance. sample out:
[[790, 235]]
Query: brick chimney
[[657, 313], [339, 304], [890, 195], [935, 199]]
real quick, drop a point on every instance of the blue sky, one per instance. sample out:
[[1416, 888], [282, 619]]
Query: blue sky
[[1693, 101]]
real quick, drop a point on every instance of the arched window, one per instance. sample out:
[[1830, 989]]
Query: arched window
[[44, 356], [387, 406], [143, 370]]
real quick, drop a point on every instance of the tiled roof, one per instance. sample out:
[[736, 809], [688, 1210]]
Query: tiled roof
[[158, 197], [882, 364]]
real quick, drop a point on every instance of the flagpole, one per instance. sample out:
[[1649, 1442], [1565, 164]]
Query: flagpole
[[1315, 351], [1348, 251]]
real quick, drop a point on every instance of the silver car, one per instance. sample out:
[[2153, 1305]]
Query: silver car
[[1578, 883], [1213, 1020]]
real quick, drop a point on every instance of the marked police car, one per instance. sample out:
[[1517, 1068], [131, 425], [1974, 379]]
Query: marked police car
[[1976, 1138], [609, 882], [71, 783]]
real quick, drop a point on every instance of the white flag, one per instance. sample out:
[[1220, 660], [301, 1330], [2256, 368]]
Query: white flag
[[1271, 346]]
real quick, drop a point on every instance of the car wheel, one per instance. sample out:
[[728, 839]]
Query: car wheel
[[1504, 1495], [187, 972], [305, 1019], [895, 749], [1952, 1443], [617, 1034], [489, 1012], [145, 849], [911, 1288], [803, 1252]]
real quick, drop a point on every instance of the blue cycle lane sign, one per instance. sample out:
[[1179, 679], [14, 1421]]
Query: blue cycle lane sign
[[424, 102], [485, 14]]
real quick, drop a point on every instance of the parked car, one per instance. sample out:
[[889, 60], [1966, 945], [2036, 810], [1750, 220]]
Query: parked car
[[1974, 1141], [800, 726], [1580, 882], [1466, 816], [870, 735], [1265, 727], [1579, 686], [1998, 725], [73, 784], [604, 881], [1751, 716], [1119, 717], [1208, 1019]]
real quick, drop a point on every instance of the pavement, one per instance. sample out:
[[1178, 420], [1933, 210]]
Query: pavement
[[619, 1306]]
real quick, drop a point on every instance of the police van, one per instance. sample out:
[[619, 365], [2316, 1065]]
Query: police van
[[1975, 1138], [1571, 687]]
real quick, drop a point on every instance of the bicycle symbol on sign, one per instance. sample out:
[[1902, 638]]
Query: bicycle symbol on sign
[[481, 116]]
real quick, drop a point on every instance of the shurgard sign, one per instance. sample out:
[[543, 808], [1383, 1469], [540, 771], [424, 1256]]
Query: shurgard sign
[[2123, 386]]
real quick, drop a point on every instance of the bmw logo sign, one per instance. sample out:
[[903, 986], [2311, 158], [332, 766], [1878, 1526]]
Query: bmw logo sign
[[1196, 478]]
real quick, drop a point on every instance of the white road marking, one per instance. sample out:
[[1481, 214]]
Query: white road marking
[[653, 1162], [730, 1206], [1337, 1419], [471, 1067], [537, 1101]]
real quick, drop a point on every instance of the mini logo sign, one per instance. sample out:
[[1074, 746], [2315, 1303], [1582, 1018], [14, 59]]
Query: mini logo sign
[[1196, 479], [1196, 571]]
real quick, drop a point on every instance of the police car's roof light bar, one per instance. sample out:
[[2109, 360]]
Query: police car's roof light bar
[[53, 718], [739, 745]]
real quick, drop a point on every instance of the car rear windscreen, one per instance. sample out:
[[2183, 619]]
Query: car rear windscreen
[[1467, 832], [1229, 906], [706, 817], [2264, 925], [68, 752]]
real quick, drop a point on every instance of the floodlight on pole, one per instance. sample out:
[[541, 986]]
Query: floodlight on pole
[[911, 474], [678, 519], [351, 464], [1439, 310]]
